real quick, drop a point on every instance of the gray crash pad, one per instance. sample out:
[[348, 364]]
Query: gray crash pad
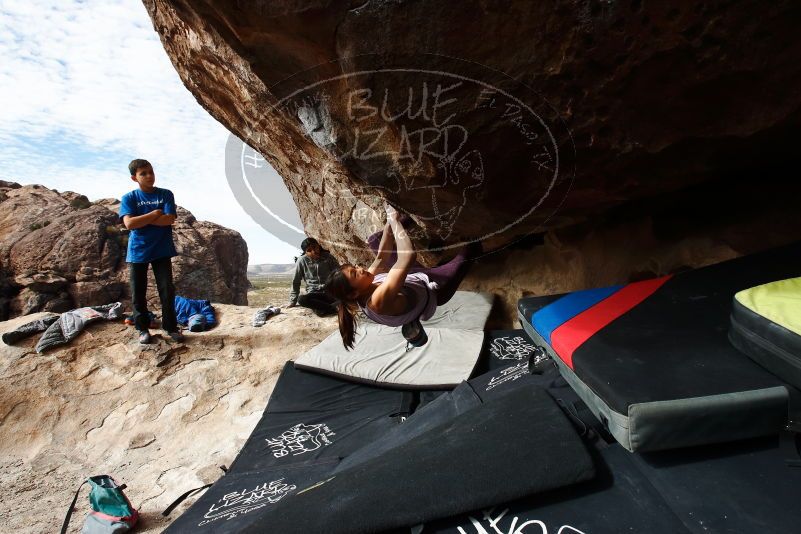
[[379, 356]]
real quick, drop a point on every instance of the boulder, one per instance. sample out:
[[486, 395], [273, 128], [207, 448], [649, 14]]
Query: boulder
[[60, 251], [491, 122], [41, 281]]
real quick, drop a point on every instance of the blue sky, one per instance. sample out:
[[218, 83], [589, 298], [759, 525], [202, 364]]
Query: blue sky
[[85, 87]]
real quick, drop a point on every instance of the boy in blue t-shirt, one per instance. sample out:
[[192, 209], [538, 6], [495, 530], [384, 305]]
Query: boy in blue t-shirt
[[149, 212]]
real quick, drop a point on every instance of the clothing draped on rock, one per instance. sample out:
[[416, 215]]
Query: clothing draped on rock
[[63, 328], [72, 323], [261, 316], [197, 314], [28, 329]]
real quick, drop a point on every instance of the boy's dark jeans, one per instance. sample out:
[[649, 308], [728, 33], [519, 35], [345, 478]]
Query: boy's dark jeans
[[162, 270]]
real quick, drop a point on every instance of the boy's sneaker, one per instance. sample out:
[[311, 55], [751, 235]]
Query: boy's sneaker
[[144, 337], [176, 336]]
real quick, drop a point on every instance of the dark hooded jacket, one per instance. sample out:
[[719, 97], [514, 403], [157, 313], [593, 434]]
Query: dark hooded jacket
[[314, 272]]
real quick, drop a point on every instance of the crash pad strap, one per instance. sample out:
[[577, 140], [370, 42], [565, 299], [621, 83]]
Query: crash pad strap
[[570, 335], [790, 437], [71, 508], [167, 511]]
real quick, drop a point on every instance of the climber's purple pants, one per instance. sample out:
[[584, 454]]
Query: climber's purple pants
[[447, 276]]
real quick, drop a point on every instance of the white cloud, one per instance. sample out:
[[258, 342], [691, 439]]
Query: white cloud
[[86, 87]]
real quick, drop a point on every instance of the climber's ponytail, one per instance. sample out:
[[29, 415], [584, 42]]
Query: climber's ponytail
[[338, 287], [347, 324]]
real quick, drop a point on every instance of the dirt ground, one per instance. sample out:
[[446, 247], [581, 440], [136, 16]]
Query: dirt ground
[[159, 418]]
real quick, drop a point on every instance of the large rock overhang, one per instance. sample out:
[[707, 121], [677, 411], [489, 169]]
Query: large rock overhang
[[487, 121]]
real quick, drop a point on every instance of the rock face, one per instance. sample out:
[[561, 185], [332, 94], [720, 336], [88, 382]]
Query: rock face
[[708, 226], [159, 419], [59, 251], [601, 104]]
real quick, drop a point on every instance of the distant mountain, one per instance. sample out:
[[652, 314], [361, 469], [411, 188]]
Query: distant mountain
[[270, 268]]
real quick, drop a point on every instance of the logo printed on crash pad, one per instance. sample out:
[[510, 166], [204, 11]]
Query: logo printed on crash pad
[[300, 439], [515, 526], [239, 503], [511, 348], [508, 374]]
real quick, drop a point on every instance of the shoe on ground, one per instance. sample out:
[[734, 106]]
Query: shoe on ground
[[176, 336], [144, 338]]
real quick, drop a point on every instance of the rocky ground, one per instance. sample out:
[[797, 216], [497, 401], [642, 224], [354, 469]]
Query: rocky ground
[[160, 419]]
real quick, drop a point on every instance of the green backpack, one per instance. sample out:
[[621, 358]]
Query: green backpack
[[111, 510]]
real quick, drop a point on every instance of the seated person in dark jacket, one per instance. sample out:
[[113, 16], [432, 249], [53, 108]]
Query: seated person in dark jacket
[[314, 266]]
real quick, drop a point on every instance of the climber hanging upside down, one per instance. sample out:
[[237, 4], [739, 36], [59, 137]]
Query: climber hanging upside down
[[394, 290]]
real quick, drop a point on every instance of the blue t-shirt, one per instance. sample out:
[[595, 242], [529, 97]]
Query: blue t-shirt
[[149, 242]]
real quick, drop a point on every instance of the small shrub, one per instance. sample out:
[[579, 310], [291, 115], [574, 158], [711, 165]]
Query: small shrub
[[80, 203]]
